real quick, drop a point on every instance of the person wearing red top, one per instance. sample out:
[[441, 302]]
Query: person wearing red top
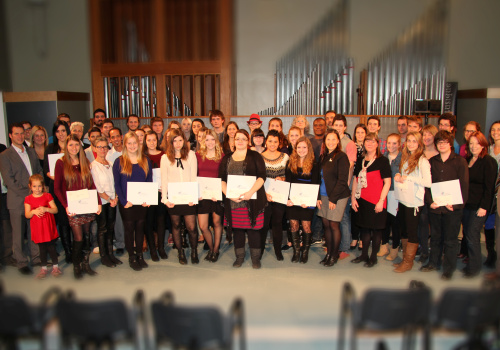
[[72, 173]]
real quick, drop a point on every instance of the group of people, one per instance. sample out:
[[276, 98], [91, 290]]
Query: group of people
[[357, 203]]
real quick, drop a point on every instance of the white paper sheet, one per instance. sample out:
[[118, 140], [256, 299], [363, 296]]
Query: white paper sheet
[[157, 177], [82, 201], [447, 192], [210, 187], [52, 161], [239, 184], [142, 192], [182, 192], [404, 192], [392, 203], [279, 190], [304, 194]]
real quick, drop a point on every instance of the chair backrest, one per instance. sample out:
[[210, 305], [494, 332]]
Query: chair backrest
[[16, 317], [394, 309], [192, 327], [468, 310]]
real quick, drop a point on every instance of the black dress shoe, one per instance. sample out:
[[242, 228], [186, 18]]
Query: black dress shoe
[[286, 247], [468, 274], [214, 257], [208, 257], [358, 260], [446, 276], [428, 268], [120, 251], [370, 263], [25, 270]]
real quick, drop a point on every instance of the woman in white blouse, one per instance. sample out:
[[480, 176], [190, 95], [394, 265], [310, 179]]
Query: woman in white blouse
[[179, 164]]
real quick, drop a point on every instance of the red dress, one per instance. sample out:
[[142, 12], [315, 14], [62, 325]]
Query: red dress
[[42, 229]]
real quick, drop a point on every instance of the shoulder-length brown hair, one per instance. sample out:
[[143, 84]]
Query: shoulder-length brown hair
[[308, 162], [412, 158], [482, 141], [324, 149], [373, 136], [70, 176], [32, 138], [126, 163], [170, 145]]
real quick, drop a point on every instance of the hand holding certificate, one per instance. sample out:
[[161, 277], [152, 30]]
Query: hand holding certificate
[[238, 185], [140, 193], [210, 188], [278, 190], [304, 194], [82, 202], [447, 193], [183, 193]]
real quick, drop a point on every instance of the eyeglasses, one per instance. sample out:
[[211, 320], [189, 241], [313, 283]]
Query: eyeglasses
[[254, 123], [442, 142], [470, 131], [101, 147]]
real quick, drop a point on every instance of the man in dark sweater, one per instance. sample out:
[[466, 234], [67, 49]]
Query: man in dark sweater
[[445, 219]]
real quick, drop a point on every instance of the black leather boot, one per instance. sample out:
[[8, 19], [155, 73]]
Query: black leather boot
[[86, 255], [182, 256], [240, 256], [65, 234], [193, 240], [305, 248], [103, 250], [296, 246], [77, 259], [140, 260], [111, 255], [134, 263], [491, 259]]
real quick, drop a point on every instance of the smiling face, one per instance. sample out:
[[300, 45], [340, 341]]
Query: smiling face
[[196, 127], [272, 143], [101, 149], [36, 187], [151, 142], [258, 140], [445, 125], [319, 127], [373, 126], [140, 135], [61, 133], [339, 126], [231, 130], [17, 136], [300, 122], [360, 135], [209, 142], [302, 149], [443, 147], [240, 141], [293, 136], [412, 143], [73, 148], [132, 145], [427, 138], [178, 143], [495, 132], [39, 138], [105, 129], [331, 141], [393, 144], [371, 146], [116, 138], [275, 125], [475, 147], [133, 123], [469, 129], [78, 131]]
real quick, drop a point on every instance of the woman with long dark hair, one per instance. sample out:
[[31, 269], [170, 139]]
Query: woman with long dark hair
[[277, 124], [72, 173], [228, 144]]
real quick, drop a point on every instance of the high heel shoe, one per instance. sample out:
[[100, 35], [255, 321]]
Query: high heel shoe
[[353, 246], [208, 257], [325, 259], [215, 257]]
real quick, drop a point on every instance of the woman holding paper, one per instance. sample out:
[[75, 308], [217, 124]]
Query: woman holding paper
[[243, 214], [60, 132], [301, 169], [209, 158], [333, 193], [72, 173], [372, 180], [156, 214], [179, 164], [132, 166], [275, 162], [102, 173], [415, 172]]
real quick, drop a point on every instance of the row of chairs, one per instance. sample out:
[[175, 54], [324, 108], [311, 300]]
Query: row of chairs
[[470, 311], [104, 324]]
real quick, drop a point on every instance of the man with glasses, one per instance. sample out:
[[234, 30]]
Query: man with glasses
[[27, 133], [254, 122], [448, 122], [445, 220]]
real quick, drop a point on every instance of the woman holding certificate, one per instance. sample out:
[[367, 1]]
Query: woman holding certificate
[[179, 164], [242, 213], [301, 169], [275, 162], [72, 173], [333, 194], [156, 214], [132, 166], [209, 157], [372, 181], [415, 174]]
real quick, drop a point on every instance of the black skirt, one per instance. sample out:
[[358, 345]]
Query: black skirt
[[298, 213], [182, 209], [207, 206]]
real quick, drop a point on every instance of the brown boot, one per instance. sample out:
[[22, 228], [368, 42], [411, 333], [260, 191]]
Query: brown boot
[[408, 257], [392, 255], [404, 242], [383, 251]]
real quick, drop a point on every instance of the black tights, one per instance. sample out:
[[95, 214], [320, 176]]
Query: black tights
[[253, 238], [48, 247], [273, 214], [190, 222], [134, 235], [332, 236], [368, 235], [79, 231]]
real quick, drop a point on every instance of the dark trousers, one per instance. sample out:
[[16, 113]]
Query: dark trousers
[[5, 231], [20, 227], [424, 230], [106, 221], [273, 214], [133, 223], [394, 227], [445, 228], [253, 238], [50, 248], [408, 219], [472, 225]]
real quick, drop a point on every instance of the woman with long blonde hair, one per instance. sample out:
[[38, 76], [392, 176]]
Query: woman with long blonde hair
[[132, 166], [72, 173]]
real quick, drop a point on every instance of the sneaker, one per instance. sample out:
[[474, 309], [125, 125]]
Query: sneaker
[[42, 274], [343, 255], [316, 241], [56, 271]]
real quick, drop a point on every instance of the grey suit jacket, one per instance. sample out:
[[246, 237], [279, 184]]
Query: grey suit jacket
[[16, 176]]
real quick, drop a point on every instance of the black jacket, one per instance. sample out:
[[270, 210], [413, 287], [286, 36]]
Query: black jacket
[[336, 175]]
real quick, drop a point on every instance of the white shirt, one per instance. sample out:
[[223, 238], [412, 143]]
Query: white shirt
[[112, 155], [25, 158], [103, 179], [421, 178]]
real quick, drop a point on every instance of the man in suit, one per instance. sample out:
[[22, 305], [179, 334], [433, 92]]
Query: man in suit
[[17, 164]]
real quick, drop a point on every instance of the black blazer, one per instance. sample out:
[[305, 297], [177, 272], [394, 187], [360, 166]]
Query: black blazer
[[336, 175]]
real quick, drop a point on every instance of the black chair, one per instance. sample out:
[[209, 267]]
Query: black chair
[[387, 310], [473, 312], [197, 327], [99, 324], [19, 320]]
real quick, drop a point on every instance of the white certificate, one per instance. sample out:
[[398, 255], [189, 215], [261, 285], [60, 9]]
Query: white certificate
[[404, 192], [183, 192], [239, 184], [52, 161], [210, 187], [278, 190], [142, 192], [157, 177], [392, 203], [447, 192], [82, 201], [304, 194]]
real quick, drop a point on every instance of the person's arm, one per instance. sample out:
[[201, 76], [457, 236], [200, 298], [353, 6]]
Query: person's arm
[[30, 213], [343, 170], [463, 178], [118, 185], [52, 209], [193, 165], [9, 176], [490, 175], [354, 202], [383, 195]]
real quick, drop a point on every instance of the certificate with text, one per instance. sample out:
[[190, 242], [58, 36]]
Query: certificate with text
[[304, 194], [404, 192], [210, 187], [52, 161], [240, 184], [447, 192], [142, 192], [82, 201], [278, 190], [182, 192], [157, 177]]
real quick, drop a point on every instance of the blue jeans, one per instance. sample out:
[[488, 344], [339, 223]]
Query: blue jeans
[[472, 233], [345, 228]]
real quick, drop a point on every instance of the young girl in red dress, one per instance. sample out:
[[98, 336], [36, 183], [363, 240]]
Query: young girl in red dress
[[40, 207]]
